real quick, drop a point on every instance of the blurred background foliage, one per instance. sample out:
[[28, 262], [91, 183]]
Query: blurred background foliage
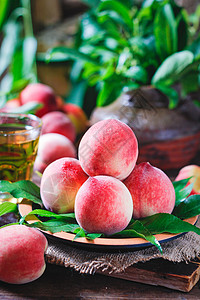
[[115, 46], [18, 48]]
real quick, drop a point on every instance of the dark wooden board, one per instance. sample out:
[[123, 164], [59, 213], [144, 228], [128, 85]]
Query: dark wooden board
[[178, 276]]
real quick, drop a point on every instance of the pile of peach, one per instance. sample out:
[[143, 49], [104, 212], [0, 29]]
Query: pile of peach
[[62, 123], [104, 187]]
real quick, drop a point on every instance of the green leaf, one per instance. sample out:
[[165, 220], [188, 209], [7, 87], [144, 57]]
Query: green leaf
[[70, 54], [169, 70], [92, 236], [28, 108], [188, 208], [189, 83], [137, 73], [119, 8], [8, 207], [165, 31], [109, 92], [22, 189], [137, 229], [163, 222], [4, 4], [171, 94], [70, 217], [79, 233], [55, 225], [29, 55], [182, 190]]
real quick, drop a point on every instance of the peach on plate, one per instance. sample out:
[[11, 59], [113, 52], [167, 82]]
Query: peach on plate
[[60, 183], [109, 147], [103, 204], [151, 189]]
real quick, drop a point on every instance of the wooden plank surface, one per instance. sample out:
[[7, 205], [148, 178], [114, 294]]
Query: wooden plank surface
[[178, 276]]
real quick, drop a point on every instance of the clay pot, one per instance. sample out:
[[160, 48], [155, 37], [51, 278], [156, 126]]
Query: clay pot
[[168, 138]]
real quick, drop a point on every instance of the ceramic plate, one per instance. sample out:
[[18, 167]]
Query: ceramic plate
[[105, 244]]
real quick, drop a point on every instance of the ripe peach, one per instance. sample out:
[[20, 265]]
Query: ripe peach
[[103, 204], [21, 254], [77, 116], [60, 183], [11, 105], [52, 146], [189, 171], [109, 147], [151, 190], [58, 122], [40, 93]]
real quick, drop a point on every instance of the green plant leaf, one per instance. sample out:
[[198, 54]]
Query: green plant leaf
[[28, 108], [4, 5], [137, 73], [171, 94], [119, 8], [55, 225], [165, 31], [92, 236], [137, 229], [29, 56], [190, 83], [70, 54], [8, 207], [163, 222], [171, 68], [182, 190], [22, 189], [188, 208]]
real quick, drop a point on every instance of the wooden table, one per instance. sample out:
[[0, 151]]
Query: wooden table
[[63, 283]]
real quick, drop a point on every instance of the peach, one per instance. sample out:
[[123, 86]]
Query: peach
[[21, 254], [40, 93], [11, 105], [77, 116], [151, 190], [53, 146], [58, 122], [109, 147], [103, 204], [191, 171], [60, 183]]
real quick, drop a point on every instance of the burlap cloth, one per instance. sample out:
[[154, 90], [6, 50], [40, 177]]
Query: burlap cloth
[[184, 248]]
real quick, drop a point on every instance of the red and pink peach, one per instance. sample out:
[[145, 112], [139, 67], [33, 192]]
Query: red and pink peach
[[109, 147], [103, 204], [53, 146], [58, 122], [19, 263], [151, 190], [191, 171], [60, 183]]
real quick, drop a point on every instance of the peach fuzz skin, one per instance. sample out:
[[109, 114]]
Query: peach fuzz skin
[[103, 204], [53, 146], [58, 122], [21, 254], [40, 93], [191, 171], [151, 190], [60, 183], [109, 147]]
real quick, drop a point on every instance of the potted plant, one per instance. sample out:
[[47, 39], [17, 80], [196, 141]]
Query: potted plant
[[143, 64]]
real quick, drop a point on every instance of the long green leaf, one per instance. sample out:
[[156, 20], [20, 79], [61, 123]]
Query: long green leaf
[[163, 222], [165, 31], [119, 8], [70, 54], [4, 4], [188, 208], [55, 226], [8, 207], [171, 68]]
